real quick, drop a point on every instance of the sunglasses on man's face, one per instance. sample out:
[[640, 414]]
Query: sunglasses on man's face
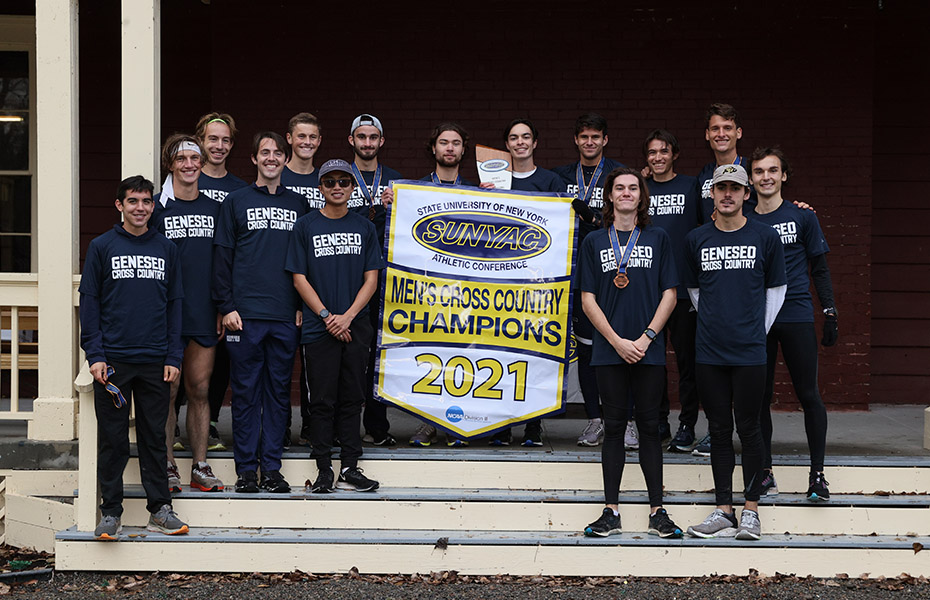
[[331, 183]]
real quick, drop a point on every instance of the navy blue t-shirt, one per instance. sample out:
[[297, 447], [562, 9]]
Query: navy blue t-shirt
[[257, 226], [733, 270], [803, 240], [133, 278], [542, 180], [674, 206], [706, 176], [190, 225], [358, 203], [307, 186], [651, 271], [218, 188], [462, 181], [333, 254], [569, 175]]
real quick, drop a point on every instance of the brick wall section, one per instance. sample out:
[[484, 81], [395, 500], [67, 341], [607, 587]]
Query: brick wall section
[[801, 78], [901, 218]]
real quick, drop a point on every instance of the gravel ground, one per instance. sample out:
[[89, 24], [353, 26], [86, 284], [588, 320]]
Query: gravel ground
[[448, 585]]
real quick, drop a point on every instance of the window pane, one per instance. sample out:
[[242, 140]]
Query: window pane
[[15, 253], [14, 111], [15, 204]]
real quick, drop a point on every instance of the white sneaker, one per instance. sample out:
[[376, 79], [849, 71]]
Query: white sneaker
[[631, 437]]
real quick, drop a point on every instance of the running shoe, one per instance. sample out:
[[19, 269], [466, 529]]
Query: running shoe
[[593, 433], [631, 437], [274, 482], [749, 526], [174, 479], [214, 443], [286, 442], [203, 479], [454, 442], [702, 448], [324, 481], [247, 483], [683, 440], [423, 436], [818, 491], [532, 435], [166, 521], [665, 432], [661, 524], [501, 438], [717, 524], [607, 524], [353, 479], [379, 439], [177, 439], [769, 487], [108, 529]]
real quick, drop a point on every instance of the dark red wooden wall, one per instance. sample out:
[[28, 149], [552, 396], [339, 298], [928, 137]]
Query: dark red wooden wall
[[803, 75]]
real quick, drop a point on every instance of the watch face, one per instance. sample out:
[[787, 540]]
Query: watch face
[[324, 313]]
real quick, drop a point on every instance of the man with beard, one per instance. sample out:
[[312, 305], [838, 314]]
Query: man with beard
[[366, 136], [447, 145], [260, 312]]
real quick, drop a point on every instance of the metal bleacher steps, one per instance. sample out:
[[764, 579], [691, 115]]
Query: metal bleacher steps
[[521, 512]]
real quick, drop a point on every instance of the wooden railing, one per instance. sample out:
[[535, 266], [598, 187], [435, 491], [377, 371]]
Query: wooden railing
[[18, 313]]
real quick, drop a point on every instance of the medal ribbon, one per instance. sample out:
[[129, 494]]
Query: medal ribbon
[[623, 257], [436, 179], [119, 401], [375, 183], [585, 192]]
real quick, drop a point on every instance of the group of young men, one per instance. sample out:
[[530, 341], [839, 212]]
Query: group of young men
[[234, 278]]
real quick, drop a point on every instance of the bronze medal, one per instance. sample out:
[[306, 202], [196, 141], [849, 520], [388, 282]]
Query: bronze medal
[[621, 280]]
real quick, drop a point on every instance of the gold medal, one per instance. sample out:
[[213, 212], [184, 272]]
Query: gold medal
[[621, 280]]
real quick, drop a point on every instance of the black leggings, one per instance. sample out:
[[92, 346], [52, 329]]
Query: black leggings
[[615, 383], [727, 392], [799, 349]]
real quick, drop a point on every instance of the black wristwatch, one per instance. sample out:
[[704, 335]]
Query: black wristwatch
[[650, 334], [324, 314], [830, 312]]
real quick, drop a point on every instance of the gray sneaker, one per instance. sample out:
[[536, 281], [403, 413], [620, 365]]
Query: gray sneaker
[[174, 479], [108, 529], [593, 433], [749, 526], [718, 524], [166, 521], [631, 437], [424, 435], [203, 479]]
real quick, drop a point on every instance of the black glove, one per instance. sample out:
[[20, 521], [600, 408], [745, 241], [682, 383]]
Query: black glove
[[830, 330], [583, 210]]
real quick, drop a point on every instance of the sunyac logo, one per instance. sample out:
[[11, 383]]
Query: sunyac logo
[[481, 235], [493, 165]]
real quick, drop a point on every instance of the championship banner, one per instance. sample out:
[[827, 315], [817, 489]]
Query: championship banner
[[476, 306]]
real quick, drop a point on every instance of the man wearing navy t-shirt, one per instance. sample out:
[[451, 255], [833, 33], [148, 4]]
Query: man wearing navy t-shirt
[[131, 295], [447, 145], [366, 136], [334, 258], [722, 132], [736, 280], [260, 312], [304, 137], [675, 206], [187, 218], [217, 134], [584, 179], [793, 329]]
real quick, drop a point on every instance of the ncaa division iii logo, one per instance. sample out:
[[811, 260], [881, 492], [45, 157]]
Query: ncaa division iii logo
[[454, 414]]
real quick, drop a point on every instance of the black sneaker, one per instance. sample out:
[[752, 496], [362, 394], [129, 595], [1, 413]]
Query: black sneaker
[[665, 432], [247, 483], [286, 442], [501, 438], [532, 435], [769, 487], [683, 440], [324, 482], [353, 479], [379, 439], [661, 524], [608, 524], [817, 491], [274, 482]]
